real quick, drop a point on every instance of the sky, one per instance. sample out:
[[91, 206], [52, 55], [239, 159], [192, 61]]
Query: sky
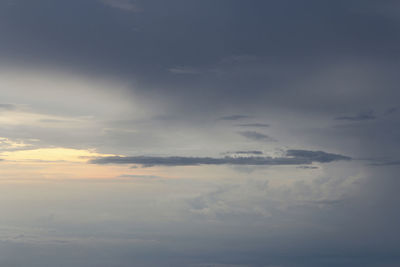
[[199, 133]]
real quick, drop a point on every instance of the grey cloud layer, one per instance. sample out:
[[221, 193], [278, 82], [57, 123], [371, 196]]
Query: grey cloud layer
[[253, 135], [7, 107], [315, 156], [362, 116], [234, 117], [294, 157], [261, 125], [254, 152], [249, 71]]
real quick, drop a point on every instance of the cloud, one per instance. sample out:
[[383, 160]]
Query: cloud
[[7, 144], [254, 125], [257, 136], [308, 167], [238, 59], [385, 163], [234, 117], [362, 116], [253, 152], [139, 176], [391, 110], [315, 156], [7, 107], [293, 157], [126, 5], [184, 70]]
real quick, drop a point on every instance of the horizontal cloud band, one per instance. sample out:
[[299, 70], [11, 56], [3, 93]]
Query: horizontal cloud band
[[293, 157]]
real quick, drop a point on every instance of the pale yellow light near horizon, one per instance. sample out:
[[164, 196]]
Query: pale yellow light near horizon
[[63, 163], [52, 154]]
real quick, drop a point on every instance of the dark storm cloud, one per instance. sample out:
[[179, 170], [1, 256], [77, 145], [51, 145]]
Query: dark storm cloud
[[248, 53], [257, 136], [294, 157], [362, 116]]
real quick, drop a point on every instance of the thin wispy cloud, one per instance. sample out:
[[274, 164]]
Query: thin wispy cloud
[[255, 125], [256, 136], [308, 167], [391, 110], [362, 116], [7, 107], [241, 152], [184, 70], [383, 163], [315, 156], [139, 176], [234, 117], [126, 5]]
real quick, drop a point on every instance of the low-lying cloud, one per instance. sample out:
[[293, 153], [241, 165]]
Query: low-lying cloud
[[362, 116], [256, 136], [7, 107], [256, 125], [234, 117], [253, 152], [293, 157]]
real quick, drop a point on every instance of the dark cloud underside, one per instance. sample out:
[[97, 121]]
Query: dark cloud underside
[[234, 117], [256, 136], [362, 116], [294, 157]]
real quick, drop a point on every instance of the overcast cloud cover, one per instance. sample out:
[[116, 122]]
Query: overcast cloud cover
[[199, 133]]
